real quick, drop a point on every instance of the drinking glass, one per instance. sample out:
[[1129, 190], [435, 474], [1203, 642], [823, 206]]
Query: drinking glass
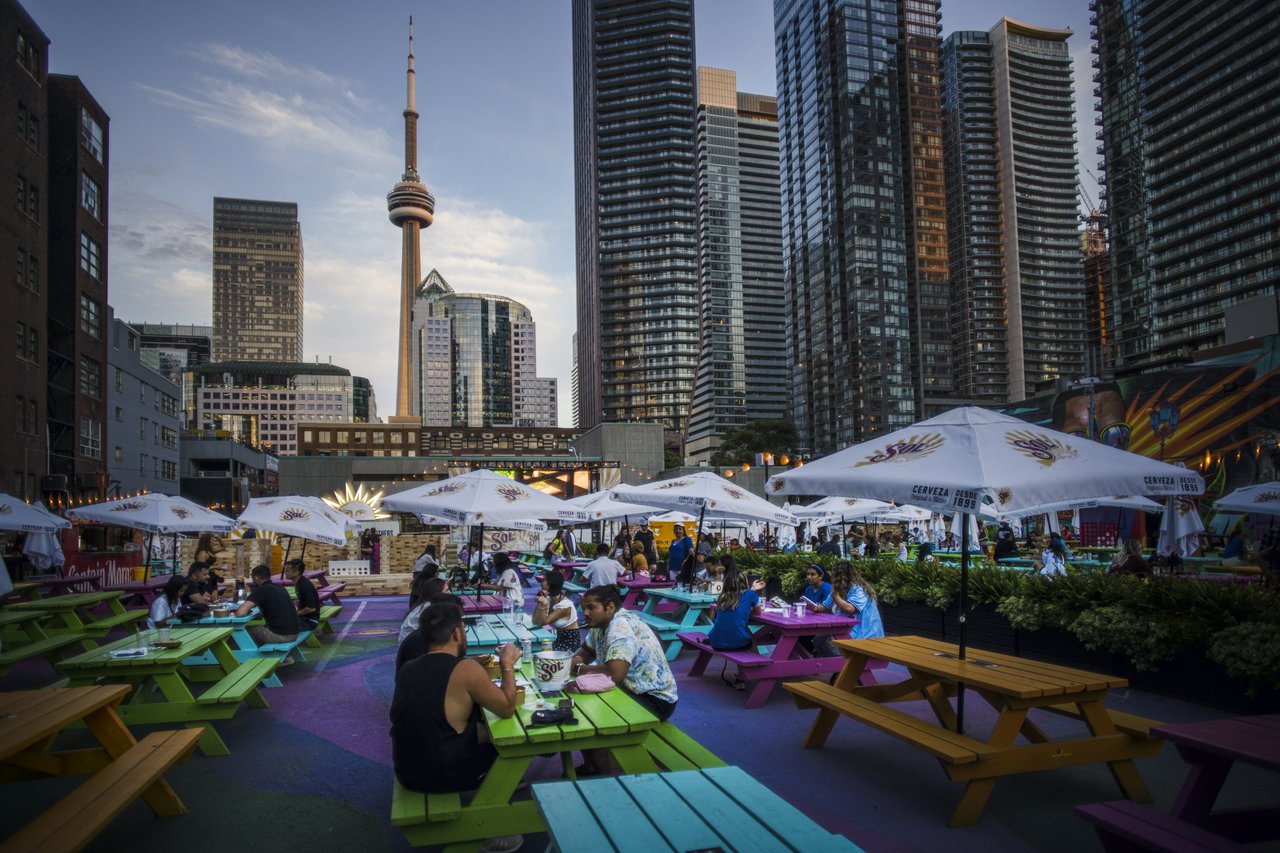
[[140, 640], [164, 634]]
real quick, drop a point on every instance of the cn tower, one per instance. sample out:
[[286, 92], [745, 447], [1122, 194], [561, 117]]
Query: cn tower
[[410, 207]]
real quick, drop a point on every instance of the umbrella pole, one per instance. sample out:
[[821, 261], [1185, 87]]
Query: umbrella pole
[[697, 543], [151, 538], [964, 597]]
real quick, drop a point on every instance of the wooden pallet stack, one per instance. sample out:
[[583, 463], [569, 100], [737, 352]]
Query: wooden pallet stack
[[399, 553]]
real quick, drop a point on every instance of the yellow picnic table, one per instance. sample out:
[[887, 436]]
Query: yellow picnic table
[[74, 612], [1013, 686], [172, 672]]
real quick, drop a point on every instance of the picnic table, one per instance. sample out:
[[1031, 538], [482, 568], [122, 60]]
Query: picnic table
[[482, 603], [166, 669], [1013, 686], [612, 720], [244, 647], [144, 591], [35, 587], [74, 612], [123, 768], [635, 590], [720, 808], [37, 643], [691, 613], [487, 632], [782, 655]]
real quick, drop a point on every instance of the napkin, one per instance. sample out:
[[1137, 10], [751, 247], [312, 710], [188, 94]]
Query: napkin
[[129, 653]]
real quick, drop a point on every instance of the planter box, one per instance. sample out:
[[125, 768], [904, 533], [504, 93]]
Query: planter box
[[1191, 675], [1062, 647], [911, 618], [986, 629]]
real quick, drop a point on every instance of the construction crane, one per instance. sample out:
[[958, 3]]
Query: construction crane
[[1093, 239]]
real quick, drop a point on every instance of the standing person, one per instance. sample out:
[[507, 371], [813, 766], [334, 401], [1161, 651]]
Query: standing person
[[508, 582], [624, 648], [622, 540], [1129, 560], [436, 719], [553, 609], [208, 547], [603, 569], [166, 605], [366, 548], [681, 547], [570, 541], [738, 600], [277, 611], [1053, 559], [427, 563], [305, 596], [644, 537]]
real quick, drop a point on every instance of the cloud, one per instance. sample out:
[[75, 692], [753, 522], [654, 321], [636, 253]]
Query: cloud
[[261, 65], [147, 228]]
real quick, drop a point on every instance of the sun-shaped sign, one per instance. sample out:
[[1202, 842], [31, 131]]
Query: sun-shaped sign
[[359, 502]]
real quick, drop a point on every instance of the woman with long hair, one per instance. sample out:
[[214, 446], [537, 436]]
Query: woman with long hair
[[1129, 560], [427, 564], [738, 599], [1053, 559], [553, 609], [851, 594], [924, 555], [166, 605], [424, 589], [208, 547]]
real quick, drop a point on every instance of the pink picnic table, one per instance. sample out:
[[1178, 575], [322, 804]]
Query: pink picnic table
[[482, 603], [143, 592], [788, 657], [634, 597]]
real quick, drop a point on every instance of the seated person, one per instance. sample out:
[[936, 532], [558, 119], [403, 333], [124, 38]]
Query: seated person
[[165, 607], [710, 577], [851, 595], [738, 600], [1129, 560], [554, 610], [437, 742], [639, 562], [413, 645], [508, 582], [424, 592], [603, 569], [1233, 553], [305, 595], [277, 610], [198, 586], [817, 595], [427, 563], [626, 649], [1006, 545]]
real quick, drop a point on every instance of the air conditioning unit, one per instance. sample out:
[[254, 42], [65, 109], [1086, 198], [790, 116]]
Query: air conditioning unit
[[53, 483]]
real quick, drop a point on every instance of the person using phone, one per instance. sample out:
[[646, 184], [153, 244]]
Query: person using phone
[[817, 595], [553, 609]]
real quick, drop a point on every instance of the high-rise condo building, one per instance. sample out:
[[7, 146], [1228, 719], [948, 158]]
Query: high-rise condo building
[[1019, 112], [474, 361], [257, 280], [742, 369], [637, 277], [1204, 80], [864, 238]]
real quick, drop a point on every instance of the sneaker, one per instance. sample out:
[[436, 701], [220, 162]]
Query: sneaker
[[503, 844]]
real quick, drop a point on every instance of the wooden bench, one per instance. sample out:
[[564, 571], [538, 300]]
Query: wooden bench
[[947, 746], [330, 593], [574, 588], [80, 816], [235, 687], [277, 652], [1130, 724], [675, 750], [669, 632], [47, 647], [327, 612], [1123, 825], [100, 627]]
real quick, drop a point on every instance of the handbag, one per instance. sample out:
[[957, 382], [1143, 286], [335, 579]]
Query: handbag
[[552, 717], [593, 682]]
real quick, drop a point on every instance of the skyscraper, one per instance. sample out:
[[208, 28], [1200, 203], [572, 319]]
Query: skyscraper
[[742, 373], [257, 280], [1018, 116], [411, 208], [848, 255], [637, 279], [474, 361], [1204, 78]]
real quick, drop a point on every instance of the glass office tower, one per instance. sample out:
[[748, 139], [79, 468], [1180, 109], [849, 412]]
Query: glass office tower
[[637, 277], [841, 115], [742, 374]]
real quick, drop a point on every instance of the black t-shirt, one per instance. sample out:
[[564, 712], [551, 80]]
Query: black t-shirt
[[645, 538], [307, 596], [1006, 548], [195, 587], [277, 609], [426, 751], [412, 648]]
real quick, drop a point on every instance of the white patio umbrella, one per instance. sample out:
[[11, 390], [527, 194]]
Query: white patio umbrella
[[836, 509], [482, 497], [17, 514], [714, 497], [533, 524], [600, 506], [1122, 501], [968, 456], [155, 513], [1262, 499], [1180, 528], [957, 527], [300, 516], [44, 550]]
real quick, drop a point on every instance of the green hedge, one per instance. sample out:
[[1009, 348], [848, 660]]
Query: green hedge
[[1148, 620]]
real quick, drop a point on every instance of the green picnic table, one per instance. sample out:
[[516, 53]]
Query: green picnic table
[[612, 721], [74, 612], [719, 808], [491, 630], [166, 669], [692, 614], [25, 637]]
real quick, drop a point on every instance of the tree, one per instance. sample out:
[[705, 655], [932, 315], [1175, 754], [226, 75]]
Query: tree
[[741, 444]]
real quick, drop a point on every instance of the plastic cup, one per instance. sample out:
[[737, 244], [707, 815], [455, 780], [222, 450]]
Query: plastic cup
[[164, 634], [799, 610], [140, 640]]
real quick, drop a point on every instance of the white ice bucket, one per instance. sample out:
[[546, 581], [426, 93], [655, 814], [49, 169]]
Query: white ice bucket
[[551, 670]]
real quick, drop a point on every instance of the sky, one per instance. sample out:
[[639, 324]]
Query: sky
[[302, 101]]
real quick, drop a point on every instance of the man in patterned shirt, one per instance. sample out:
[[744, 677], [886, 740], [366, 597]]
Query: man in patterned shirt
[[619, 645]]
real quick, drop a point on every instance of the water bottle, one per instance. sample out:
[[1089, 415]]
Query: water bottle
[[526, 651]]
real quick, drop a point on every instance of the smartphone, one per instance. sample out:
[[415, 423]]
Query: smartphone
[[806, 600], [564, 705], [553, 694]]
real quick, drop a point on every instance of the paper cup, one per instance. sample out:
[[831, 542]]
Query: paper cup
[[551, 670]]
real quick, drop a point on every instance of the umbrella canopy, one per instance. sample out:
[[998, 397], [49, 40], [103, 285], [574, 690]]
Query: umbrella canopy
[[44, 550], [833, 510], [970, 456], [1180, 529], [482, 497], [17, 514], [600, 506], [958, 529], [1122, 501], [300, 516], [714, 497], [533, 524], [155, 513], [1262, 499]]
